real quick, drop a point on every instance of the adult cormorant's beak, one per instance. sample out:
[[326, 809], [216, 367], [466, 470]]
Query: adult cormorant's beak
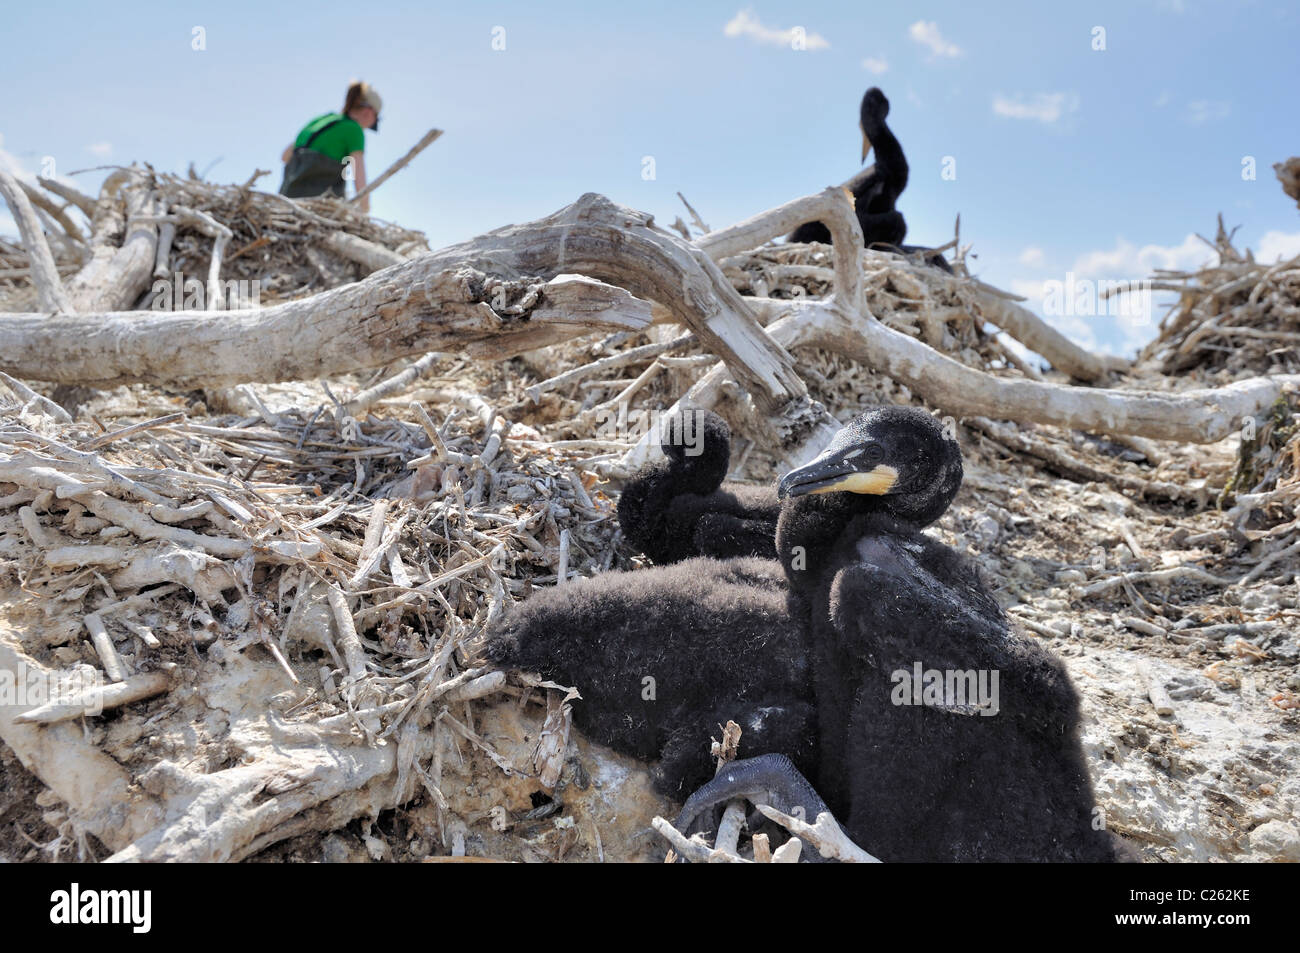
[[838, 472], [866, 146]]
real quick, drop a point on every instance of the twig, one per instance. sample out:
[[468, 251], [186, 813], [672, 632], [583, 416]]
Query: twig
[[631, 356], [695, 217], [30, 396], [825, 835], [113, 664], [133, 688], [400, 164]]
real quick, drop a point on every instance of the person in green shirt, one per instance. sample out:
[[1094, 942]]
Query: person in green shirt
[[326, 146]]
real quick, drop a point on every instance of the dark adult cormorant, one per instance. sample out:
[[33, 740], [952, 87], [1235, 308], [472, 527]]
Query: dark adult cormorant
[[665, 656], [916, 761], [679, 508], [875, 188]]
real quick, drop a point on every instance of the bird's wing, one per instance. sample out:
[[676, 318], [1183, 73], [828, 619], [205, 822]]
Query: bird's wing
[[891, 611], [891, 605]]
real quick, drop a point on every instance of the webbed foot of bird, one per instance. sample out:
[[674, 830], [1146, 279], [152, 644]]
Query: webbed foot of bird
[[770, 779], [783, 795]]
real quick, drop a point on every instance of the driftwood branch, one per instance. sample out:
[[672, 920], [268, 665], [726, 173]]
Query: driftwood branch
[[832, 204], [429, 304], [1019, 322], [132, 688], [69, 194], [1194, 416], [491, 298], [123, 243], [1197, 416], [70, 228], [368, 254], [439, 301], [88, 779], [49, 287], [425, 141], [1041, 338]]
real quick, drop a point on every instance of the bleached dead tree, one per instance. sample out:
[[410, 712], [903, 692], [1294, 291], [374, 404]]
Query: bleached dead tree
[[501, 294]]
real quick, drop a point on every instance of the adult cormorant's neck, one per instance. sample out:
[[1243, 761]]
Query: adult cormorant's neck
[[890, 160]]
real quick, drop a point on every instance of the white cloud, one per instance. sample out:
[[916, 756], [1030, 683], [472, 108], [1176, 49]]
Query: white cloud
[[1041, 107], [13, 165], [1207, 110], [874, 65], [1120, 324], [745, 23], [100, 149], [1031, 289], [926, 32], [1126, 260], [1275, 245]]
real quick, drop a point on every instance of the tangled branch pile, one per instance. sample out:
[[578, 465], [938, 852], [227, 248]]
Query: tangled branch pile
[[289, 248], [282, 583], [1233, 318]]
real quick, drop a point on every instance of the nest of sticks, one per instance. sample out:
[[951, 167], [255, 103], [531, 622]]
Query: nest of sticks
[[251, 235], [1233, 318], [337, 548]]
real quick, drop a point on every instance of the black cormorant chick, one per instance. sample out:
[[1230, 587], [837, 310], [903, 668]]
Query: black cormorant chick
[[664, 656], [680, 507], [896, 623], [875, 188]]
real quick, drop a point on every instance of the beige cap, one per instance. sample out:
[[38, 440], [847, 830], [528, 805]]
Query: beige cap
[[370, 97]]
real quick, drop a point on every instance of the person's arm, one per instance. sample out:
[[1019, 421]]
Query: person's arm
[[359, 178], [288, 151]]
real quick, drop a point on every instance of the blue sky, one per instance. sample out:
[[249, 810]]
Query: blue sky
[[1102, 163]]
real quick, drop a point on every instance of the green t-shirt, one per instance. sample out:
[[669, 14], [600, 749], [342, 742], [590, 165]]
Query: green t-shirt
[[338, 142]]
